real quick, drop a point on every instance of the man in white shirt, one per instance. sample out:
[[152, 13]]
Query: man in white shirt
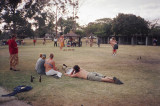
[[55, 41]]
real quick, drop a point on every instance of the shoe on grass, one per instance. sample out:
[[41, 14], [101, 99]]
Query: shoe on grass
[[117, 81]]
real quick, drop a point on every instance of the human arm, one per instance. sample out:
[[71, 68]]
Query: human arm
[[71, 75], [54, 67]]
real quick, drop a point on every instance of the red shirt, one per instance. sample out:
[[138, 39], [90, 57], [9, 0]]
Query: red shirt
[[34, 41], [12, 46]]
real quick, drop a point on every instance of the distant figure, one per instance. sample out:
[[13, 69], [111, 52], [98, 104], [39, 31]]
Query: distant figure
[[71, 40], [68, 44], [154, 42], [50, 67], [22, 42], [55, 41], [34, 42], [114, 45], [98, 41], [44, 41], [61, 40], [40, 64], [87, 42], [13, 50], [93, 76], [91, 41]]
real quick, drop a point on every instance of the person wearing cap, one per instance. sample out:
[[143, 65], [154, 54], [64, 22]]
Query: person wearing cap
[[50, 67], [40, 64], [13, 50]]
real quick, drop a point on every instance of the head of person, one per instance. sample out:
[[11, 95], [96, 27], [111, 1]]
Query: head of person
[[113, 38], [40, 55], [76, 68], [51, 56], [43, 56], [13, 37]]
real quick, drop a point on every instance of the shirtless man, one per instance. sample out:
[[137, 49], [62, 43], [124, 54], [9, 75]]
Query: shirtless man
[[93, 76], [114, 45]]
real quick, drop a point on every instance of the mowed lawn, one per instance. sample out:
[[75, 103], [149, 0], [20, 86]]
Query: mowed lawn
[[141, 77]]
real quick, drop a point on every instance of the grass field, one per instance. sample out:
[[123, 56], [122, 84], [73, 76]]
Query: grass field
[[141, 77]]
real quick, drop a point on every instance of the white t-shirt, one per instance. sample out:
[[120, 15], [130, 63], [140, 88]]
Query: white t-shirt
[[69, 71], [55, 39]]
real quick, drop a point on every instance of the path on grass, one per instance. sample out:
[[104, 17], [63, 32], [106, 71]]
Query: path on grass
[[10, 101]]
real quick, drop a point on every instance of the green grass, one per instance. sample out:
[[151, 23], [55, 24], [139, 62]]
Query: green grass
[[141, 77]]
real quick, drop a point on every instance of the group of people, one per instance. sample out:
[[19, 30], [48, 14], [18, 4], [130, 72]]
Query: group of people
[[89, 41], [48, 67]]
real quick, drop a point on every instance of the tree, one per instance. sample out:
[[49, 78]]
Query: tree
[[10, 13], [129, 24], [101, 27], [68, 25], [20, 17]]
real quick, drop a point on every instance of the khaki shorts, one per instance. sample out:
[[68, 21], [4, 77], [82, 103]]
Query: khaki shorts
[[93, 76]]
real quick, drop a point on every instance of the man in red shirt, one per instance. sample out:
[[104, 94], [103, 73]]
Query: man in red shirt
[[13, 50], [34, 42]]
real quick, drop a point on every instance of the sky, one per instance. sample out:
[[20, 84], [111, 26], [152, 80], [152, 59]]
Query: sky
[[90, 10]]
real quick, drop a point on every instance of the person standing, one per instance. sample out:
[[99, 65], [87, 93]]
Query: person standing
[[13, 50], [154, 42], [87, 42], [98, 41], [55, 41], [44, 41], [61, 40], [91, 41], [34, 42], [114, 45]]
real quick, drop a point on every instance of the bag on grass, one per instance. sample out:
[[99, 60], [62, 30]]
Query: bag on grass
[[18, 89]]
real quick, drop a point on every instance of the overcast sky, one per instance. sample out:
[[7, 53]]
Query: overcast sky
[[90, 10]]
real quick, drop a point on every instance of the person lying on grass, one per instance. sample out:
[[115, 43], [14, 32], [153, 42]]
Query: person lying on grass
[[93, 76]]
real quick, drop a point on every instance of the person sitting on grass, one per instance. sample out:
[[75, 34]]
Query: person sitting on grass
[[93, 76], [40, 57], [40, 64], [50, 67]]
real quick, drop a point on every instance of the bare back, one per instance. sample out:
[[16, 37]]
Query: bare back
[[82, 74]]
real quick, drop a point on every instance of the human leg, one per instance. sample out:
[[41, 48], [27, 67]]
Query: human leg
[[13, 61], [53, 72], [93, 76], [56, 44], [107, 79]]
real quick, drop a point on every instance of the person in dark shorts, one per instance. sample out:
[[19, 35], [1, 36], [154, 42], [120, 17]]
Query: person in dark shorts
[[93, 76], [114, 45]]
